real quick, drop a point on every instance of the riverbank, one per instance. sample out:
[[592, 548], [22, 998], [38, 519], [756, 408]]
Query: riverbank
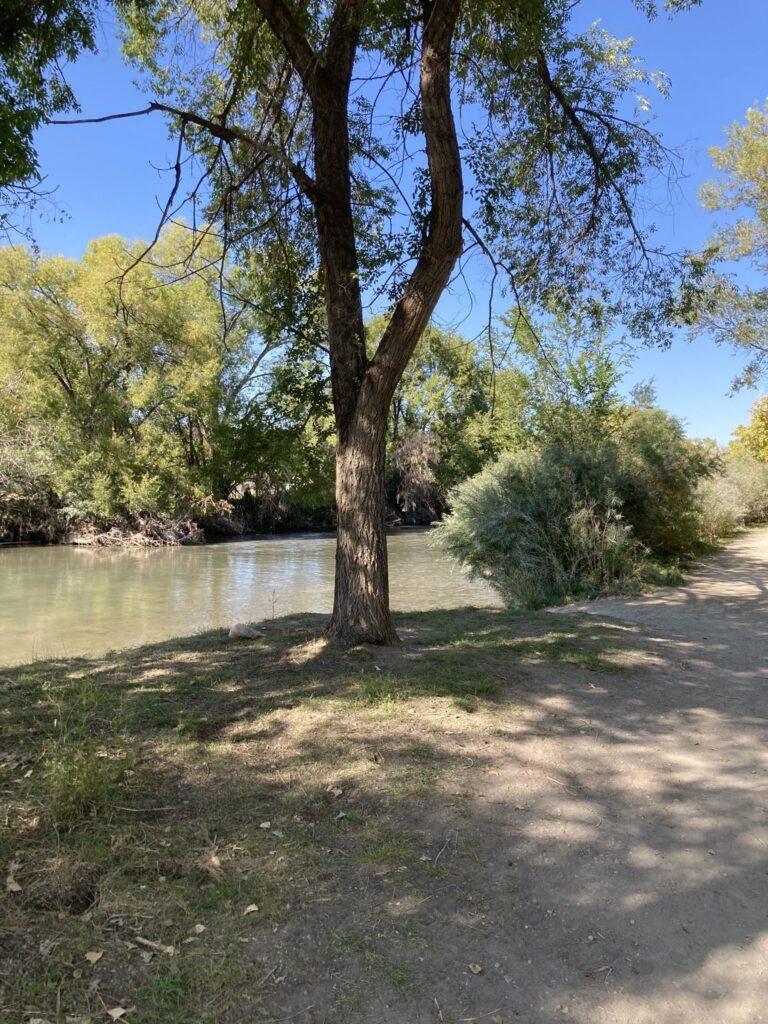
[[262, 810], [61, 601], [511, 817], [21, 522], [50, 524]]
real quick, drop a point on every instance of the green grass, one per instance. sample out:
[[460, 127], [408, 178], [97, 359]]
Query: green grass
[[139, 787]]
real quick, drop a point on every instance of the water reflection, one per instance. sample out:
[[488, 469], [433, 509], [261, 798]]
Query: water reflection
[[67, 601]]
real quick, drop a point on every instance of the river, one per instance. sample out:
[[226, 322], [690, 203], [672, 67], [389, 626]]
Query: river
[[63, 601]]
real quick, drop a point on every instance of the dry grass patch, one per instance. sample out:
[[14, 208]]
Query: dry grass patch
[[203, 831]]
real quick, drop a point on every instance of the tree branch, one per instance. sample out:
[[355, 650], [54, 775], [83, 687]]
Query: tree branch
[[226, 133], [602, 173], [342, 37], [443, 240], [283, 24]]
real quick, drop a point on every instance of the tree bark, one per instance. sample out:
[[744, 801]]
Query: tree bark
[[363, 388], [361, 593]]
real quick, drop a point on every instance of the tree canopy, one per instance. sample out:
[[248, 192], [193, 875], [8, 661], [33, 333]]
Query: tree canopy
[[715, 301], [361, 152], [36, 41], [146, 397]]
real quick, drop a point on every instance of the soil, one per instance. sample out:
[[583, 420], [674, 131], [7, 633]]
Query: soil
[[517, 819]]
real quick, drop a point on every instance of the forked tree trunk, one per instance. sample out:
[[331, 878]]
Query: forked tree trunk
[[362, 388], [361, 594]]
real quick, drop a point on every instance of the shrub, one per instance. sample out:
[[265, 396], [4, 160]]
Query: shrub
[[543, 527], [552, 523], [658, 471], [736, 496], [722, 508], [749, 475]]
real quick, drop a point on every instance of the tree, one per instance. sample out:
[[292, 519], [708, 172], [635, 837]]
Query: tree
[[753, 437], [571, 373], [714, 301], [327, 137], [35, 40], [167, 403], [440, 428]]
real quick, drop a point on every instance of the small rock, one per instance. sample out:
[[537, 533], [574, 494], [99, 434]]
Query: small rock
[[242, 631]]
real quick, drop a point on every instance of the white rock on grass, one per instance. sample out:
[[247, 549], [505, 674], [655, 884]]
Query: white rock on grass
[[242, 631]]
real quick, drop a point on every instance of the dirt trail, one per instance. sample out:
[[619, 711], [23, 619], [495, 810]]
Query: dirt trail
[[644, 843], [612, 860], [588, 842]]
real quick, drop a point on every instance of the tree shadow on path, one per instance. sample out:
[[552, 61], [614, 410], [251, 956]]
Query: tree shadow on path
[[583, 799]]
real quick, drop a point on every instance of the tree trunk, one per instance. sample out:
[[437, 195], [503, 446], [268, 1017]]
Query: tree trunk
[[361, 594], [362, 388]]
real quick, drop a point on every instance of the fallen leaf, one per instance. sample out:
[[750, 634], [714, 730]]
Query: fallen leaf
[[157, 946], [94, 955], [250, 909], [117, 1012], [266, 824], [476, 968], [39, 1020], [341, 814], [210, 862], [334, 791], [199, 929]]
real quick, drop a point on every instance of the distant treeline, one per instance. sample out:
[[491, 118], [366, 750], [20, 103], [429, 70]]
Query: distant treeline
[[160, 401], [142, 398]]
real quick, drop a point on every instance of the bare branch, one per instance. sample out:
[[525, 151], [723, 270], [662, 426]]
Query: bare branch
[[226, 133]]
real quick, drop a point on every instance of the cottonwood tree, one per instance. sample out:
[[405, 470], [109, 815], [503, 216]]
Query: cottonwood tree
[[715, 301], [168, 403], [364, 150], [36, 40]]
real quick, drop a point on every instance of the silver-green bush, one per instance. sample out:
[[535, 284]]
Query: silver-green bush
[[542, 527], [736, 496]]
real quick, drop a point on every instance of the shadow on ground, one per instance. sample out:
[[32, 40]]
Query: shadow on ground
[[509, 818]]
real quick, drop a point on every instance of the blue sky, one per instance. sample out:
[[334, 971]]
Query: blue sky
[[715, 56]]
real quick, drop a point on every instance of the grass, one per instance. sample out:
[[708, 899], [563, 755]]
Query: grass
[[241, 803]]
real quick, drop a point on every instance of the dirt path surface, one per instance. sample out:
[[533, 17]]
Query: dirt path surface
[[511, 819], [649, 854]]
